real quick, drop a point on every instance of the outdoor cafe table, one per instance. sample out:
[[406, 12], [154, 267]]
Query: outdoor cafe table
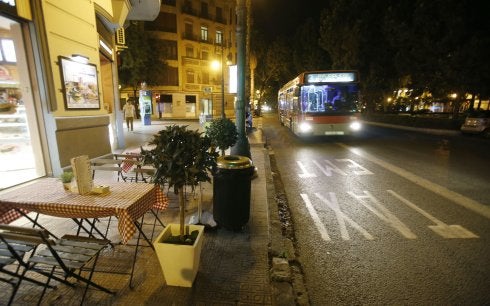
[[127, 201]]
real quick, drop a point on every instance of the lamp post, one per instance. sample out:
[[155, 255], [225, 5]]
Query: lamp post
[[242, 146]]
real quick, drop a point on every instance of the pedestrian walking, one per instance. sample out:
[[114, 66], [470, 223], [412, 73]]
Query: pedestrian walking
[[129, 112]]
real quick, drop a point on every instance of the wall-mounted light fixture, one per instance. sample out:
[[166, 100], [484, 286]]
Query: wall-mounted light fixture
[[80, 58]]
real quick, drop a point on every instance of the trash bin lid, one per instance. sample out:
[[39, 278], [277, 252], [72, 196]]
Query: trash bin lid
[[234, 162]]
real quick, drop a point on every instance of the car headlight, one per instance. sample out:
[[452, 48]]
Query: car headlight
[[355, 126], [305, 127]]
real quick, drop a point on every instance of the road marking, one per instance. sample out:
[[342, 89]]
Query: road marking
[[355, 165], [435, 188], [341, 218], [328, 170], [305, 173], [440, 228], [316, 219], [383, 213]]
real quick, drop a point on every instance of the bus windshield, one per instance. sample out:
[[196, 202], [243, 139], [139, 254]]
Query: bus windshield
[[329, 98]]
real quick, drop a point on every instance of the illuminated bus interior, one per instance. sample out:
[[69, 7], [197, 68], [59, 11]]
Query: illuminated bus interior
[[331, 98]]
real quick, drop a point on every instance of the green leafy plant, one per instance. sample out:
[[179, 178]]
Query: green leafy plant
[[223, 133], [66, 177], [181, 157]]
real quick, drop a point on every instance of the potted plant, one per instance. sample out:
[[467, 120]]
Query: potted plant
[[181, 157], [223, 133], [66, 178]]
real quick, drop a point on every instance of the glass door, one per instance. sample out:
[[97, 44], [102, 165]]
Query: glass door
[[21, 157]]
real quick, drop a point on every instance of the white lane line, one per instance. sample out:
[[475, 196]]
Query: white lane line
[[328, 170], [440, 228], [316, 219], [383, 213], [305, 173], [341, 218], [435, 188]]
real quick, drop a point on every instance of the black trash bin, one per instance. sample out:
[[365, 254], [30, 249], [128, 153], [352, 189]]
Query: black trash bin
[[231, 191]]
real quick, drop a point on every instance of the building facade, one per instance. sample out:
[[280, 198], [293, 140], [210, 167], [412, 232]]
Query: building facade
[[200, 56], [52, 106]]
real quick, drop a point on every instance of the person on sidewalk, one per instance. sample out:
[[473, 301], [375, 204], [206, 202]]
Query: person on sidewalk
[[129, 112]]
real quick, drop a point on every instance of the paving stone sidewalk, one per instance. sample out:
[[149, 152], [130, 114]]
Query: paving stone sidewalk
[[234, 268]]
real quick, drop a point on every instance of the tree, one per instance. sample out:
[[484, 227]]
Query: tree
[[142, 61], [351, 34]]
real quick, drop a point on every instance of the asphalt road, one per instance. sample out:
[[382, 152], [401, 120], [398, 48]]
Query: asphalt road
[[388, 218]]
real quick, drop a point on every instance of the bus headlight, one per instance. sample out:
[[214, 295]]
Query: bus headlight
[[355, 126], [305, 127]]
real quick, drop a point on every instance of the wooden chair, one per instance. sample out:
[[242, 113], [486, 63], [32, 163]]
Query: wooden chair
[[68, 255]]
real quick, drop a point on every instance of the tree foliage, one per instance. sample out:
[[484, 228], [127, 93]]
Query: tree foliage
[[439, 45], [143, 60]]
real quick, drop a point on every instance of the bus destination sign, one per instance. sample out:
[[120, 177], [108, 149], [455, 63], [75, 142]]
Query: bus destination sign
[[331, 77]]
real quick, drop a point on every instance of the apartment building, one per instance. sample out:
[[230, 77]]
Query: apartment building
[[200, 51]]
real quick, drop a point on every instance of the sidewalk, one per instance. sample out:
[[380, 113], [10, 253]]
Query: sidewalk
[[234, 268]]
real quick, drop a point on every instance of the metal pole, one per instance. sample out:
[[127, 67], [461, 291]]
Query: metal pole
[[223, 115], [242, 146]]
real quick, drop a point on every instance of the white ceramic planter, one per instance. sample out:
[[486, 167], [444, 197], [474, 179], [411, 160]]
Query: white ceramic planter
[[179, 263]]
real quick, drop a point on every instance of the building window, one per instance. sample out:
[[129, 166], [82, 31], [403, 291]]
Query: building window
[[219, 37], [205, 55], [204, 10], [189, 76], [165, 22], [188, 30], [170, 76], [219, 14], [169, 2], [170, 49], [189, 51], [205, 77], [204, 33], [190, 99]]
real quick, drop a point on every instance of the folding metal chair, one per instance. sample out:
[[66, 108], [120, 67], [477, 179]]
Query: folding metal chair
[[12, 253], [68, 255]]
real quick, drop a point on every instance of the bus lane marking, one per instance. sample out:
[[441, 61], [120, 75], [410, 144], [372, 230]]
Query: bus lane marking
[[316, 219], [341, 218], [383, 213], [452, 196], [329, 168], [440, 228], [354, 165], [305, 173]]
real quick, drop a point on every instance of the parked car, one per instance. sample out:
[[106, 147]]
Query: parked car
[[477, 122]]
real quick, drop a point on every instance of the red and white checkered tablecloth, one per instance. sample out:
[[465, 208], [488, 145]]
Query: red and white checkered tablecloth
[[126, 201]]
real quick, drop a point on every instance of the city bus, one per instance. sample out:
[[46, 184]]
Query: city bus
[[321, 103]]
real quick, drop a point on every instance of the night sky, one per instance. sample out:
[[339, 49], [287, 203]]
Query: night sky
[[276, 17]]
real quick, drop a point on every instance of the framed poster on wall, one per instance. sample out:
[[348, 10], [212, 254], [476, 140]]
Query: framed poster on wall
[[80, 87]]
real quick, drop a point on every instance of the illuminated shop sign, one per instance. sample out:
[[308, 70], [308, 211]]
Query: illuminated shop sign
[[331, 77]]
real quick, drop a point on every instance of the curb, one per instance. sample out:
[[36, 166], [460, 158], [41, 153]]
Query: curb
[[286, 279]]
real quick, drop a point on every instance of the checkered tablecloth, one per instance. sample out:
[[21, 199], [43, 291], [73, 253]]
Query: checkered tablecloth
[[127, 201]]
